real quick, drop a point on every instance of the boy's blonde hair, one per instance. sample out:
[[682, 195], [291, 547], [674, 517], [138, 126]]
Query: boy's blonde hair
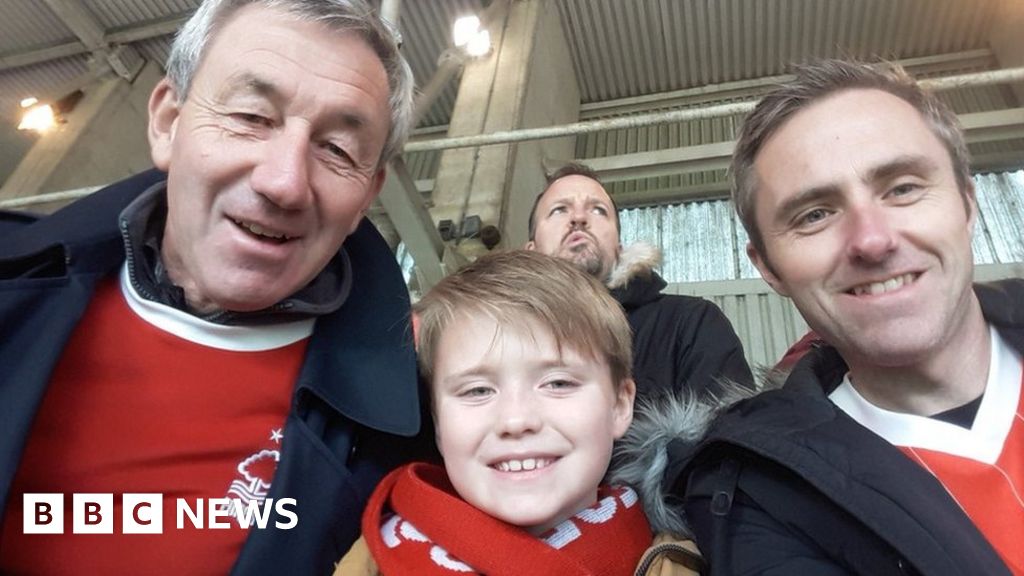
[[511, 287]]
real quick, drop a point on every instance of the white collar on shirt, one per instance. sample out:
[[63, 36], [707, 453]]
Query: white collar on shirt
[[983, 442]]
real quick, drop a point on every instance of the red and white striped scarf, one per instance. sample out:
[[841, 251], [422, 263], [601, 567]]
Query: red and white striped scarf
[[415, 523]]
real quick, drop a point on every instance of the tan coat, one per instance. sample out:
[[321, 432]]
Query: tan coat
[[667, 556]]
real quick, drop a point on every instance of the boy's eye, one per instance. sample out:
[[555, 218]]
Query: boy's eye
[[476, 392], [557, 210], [558, 384], [600, 210]]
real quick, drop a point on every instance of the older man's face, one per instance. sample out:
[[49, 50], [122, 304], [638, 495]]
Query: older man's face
[[272, 158], [865, 227], [575, 220]]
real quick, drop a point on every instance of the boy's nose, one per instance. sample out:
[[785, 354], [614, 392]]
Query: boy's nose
[[518, 416]]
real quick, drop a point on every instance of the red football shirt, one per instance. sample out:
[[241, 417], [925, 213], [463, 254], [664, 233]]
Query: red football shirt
[[982, 468], [147, 399]]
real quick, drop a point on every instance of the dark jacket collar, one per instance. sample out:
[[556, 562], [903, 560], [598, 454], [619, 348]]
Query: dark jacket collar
[[142, 228], [360, 359], [639, 291]]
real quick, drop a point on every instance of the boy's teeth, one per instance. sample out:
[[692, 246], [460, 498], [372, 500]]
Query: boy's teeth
[[521, 465], [883, 287]]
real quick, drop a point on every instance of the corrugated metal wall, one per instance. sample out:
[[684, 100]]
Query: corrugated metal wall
[[703, 244], [704, 241], [768, 324]]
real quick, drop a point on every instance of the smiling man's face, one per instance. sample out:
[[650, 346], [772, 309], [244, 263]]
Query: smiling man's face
[[865, 227], [575, 220], [272, 158]]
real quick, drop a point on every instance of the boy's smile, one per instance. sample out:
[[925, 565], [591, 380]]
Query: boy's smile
[[526, 435]]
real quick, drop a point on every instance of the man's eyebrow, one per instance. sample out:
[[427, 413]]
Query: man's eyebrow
[[803, 198], [908, 164], [249, 83]]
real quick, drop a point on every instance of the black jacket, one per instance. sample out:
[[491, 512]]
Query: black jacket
[[787, 483], [679, 342], [355, 397]]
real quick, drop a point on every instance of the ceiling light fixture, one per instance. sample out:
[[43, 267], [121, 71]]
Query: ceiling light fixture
[[467, 34], [42, 116], [37, 117]]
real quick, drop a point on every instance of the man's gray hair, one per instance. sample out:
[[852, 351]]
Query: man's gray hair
[[819, 80], [356, 16]]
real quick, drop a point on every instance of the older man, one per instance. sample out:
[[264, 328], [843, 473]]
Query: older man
[[680, 342], [898, 446], [206, 334]]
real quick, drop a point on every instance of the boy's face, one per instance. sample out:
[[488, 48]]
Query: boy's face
[[526, 436]]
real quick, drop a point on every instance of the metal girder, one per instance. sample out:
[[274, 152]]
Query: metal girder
[[146, 31], [993, 126], [125, 61], [74, 15], [659, 196], [40, 55], [412, 221], [665, 162], [1003, 76], [66, 49]]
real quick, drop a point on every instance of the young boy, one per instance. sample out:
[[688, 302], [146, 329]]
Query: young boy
[[528, 363]]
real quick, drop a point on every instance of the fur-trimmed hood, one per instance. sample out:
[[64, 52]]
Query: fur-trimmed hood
[[636, 260], [641, 456], [633, 281]]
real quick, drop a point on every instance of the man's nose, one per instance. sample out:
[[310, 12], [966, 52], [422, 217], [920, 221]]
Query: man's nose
[[282, 174], [871, 234], [579, 217]]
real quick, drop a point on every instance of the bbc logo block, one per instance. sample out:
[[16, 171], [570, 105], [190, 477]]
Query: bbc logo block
[[144, 513], [44, 514]]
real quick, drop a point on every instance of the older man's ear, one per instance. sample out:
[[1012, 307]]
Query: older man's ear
[[164, 111]]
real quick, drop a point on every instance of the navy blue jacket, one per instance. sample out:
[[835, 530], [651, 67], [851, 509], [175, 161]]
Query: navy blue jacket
[[354, 403], [787, 483]]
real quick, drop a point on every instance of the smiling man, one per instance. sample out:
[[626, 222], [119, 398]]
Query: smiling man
[[228, 326], [898, 446], [681, 343]]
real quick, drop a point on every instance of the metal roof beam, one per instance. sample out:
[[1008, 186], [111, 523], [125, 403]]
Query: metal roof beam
[[405, 207], [667, 162], [81, 23], [123, 60], [66, 49], [661, 196]]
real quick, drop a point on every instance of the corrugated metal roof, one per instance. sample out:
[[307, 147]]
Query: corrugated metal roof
[[28, 24], [427, 29], [681, 134], [36, 81], [618, 49], [113, 14], [622, 49], [155, 49]]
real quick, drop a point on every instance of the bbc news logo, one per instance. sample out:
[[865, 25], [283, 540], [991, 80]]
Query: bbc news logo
[[143, 513]]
